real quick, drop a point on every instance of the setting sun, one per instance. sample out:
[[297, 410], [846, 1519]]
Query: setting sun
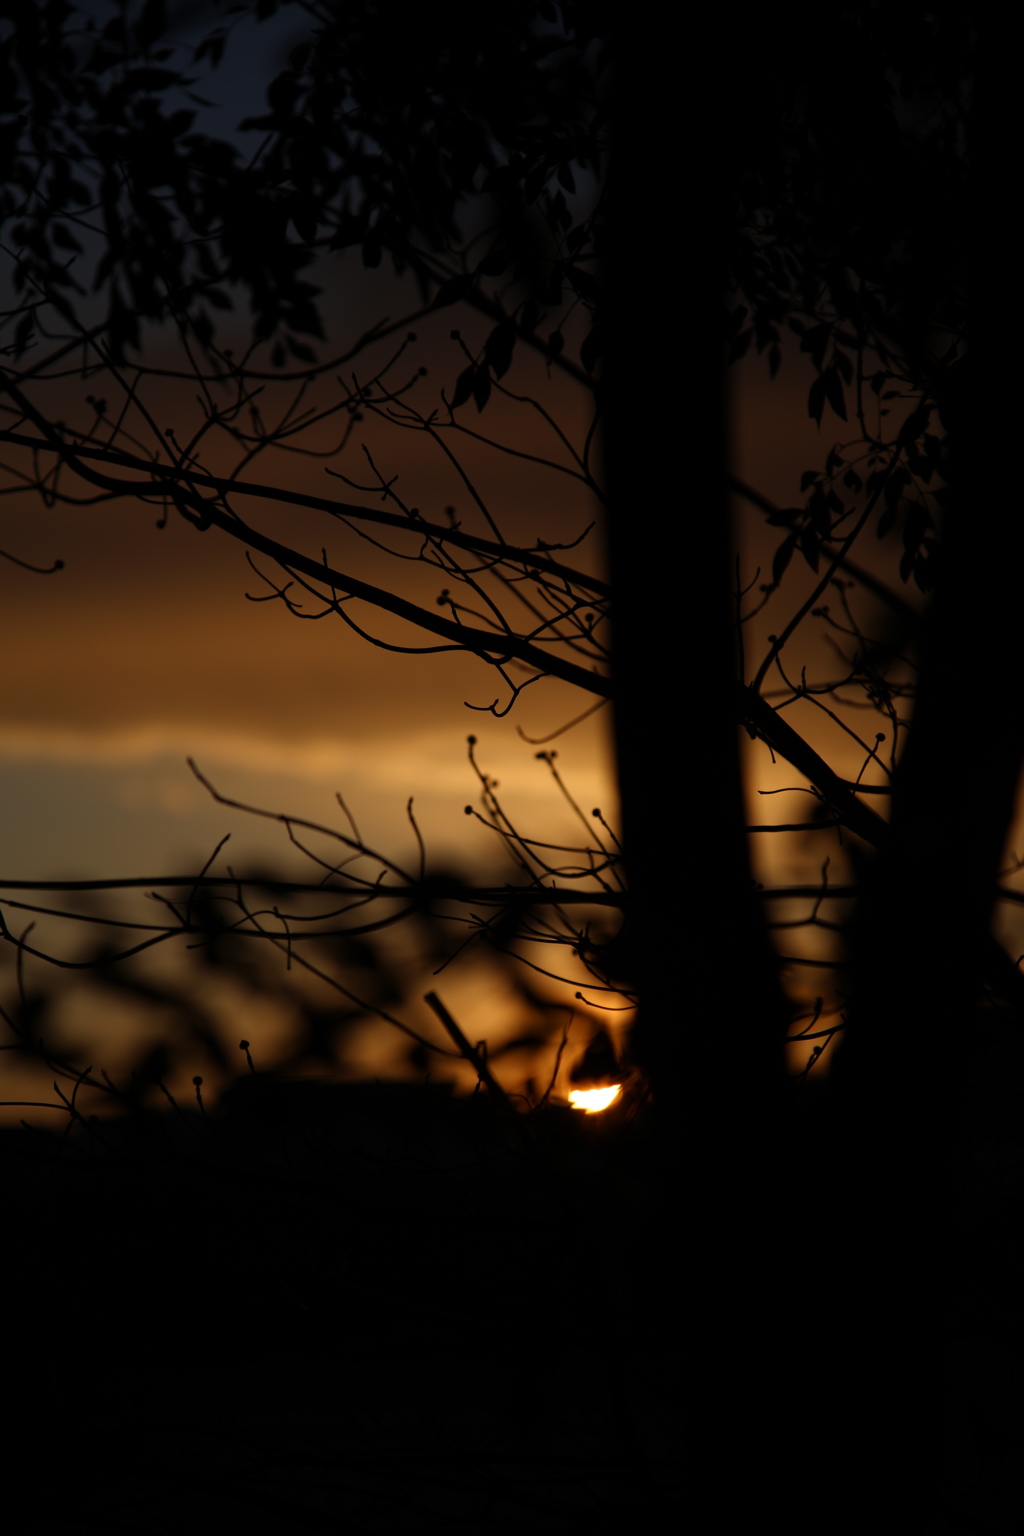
[[593, 1100]]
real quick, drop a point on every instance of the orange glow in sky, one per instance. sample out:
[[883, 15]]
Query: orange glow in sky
[[593, 1100]]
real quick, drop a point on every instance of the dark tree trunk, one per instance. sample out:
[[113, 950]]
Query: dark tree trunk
[[712, 1015], [712, 1018], [902, 1073]]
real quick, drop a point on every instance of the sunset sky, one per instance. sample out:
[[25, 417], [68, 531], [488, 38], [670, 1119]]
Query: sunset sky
[[143, 651]]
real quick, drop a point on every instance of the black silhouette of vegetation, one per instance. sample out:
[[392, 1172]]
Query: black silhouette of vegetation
[[805, 1259]]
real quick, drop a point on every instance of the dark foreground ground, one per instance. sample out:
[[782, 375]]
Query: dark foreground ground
[[339, 1309], [368, 1309]]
